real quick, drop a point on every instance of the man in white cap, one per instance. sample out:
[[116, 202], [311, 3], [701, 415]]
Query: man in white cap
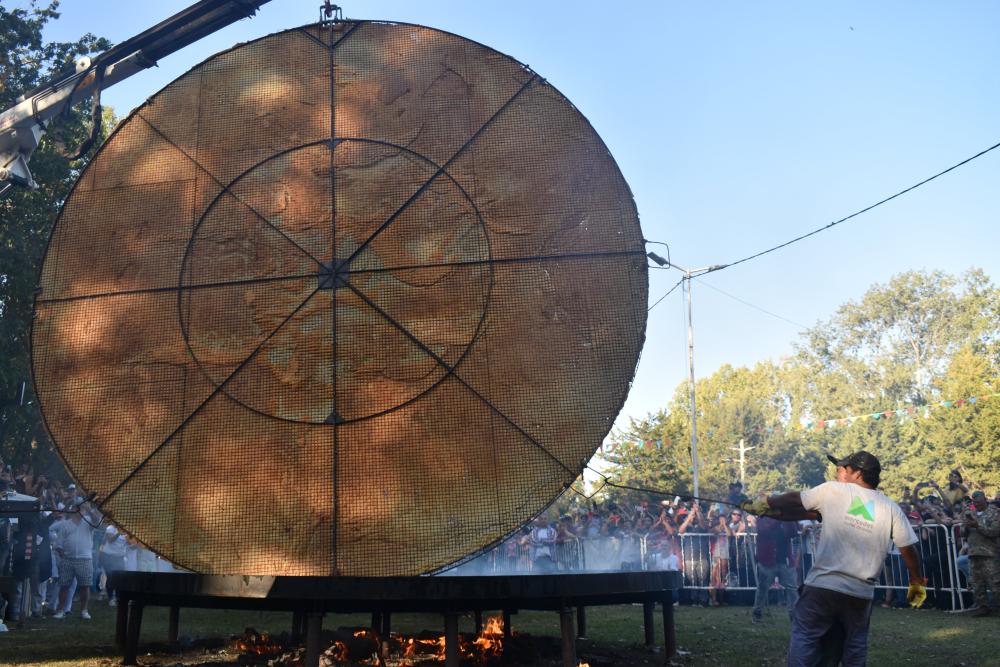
[[74, 545], [858, 524]]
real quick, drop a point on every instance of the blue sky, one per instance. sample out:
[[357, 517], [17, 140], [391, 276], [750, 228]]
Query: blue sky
[[738, 125]]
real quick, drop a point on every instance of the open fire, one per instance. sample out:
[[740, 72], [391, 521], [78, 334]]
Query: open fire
[[363, 646], [256, 643]]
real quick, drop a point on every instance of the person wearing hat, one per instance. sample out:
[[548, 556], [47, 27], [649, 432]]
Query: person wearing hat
[[981, 527], [858, 523], [74, 545]]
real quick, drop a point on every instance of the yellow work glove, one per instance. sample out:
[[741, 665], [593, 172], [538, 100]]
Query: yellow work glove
[[916, 593], [758, 507]]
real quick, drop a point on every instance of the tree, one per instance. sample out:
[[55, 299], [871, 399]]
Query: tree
[[645, 456], [27, 216], [733, 404], [921, 338], [903, 362]]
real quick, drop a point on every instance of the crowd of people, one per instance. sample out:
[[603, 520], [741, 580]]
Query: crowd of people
[[63, 552], [66, 551], [718, 546]]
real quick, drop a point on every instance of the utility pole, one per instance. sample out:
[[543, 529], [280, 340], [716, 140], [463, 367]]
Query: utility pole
[[688, 275], [742, 449]]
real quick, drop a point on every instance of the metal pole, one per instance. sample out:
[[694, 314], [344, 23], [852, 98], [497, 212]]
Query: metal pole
[[743, 470], [742, 449], [694, 433], [688, 274]]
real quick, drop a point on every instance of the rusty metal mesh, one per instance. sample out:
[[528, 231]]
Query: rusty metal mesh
[[355, 299]]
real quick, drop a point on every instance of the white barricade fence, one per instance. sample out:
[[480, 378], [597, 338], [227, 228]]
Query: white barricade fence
[[708, 560], [938, 549]]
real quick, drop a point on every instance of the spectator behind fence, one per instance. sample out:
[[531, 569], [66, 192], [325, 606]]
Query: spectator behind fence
[[719, 526], [543, 539], [774, 561], [665, 557], [955, 491], [27, 555], [74, 545], [982, 527], [735, 495]]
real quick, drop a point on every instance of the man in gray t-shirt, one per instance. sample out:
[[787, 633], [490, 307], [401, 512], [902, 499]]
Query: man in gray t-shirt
[[858, 525]]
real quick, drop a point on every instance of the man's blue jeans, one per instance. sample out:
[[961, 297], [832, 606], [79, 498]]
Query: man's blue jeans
[[819, 611], [765, 577]]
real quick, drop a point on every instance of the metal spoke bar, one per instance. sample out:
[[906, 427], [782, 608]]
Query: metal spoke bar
[[451, 371], [504, 260], [442, 168], [205, 402], [157, 290], [225, 188], [357, 24]]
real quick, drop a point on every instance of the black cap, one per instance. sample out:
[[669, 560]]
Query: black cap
[[859, 461]]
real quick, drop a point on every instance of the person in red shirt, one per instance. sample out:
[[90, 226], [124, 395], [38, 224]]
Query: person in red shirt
[[774, 561]]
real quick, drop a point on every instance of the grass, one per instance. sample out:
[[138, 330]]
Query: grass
[[707, 636]]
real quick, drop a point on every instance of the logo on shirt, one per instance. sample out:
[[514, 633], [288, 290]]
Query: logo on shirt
[[862, 509]]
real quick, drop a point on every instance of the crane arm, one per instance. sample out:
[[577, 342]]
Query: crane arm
[[22, 126]]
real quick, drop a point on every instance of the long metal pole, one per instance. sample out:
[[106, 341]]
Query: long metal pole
[[694, 432], [688, 274]]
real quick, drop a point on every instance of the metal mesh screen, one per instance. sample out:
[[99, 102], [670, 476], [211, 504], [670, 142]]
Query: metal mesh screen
[[355, 299]]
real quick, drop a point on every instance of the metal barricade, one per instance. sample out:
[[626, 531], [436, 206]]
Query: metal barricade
[[938, 549], [716, 561], [511, 556], [708, 560], [567, 555], [601, 553]]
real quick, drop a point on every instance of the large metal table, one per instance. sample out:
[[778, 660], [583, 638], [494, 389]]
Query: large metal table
[[310, 598]]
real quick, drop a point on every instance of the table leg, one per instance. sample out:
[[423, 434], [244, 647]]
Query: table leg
[[132, 632], [314, 627], [647, 622], [669, 635], [451, 639], [121, 621], [568, 637], [173, 625]]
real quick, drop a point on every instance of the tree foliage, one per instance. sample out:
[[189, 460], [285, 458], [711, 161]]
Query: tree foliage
[[922, 338], [26, 216]]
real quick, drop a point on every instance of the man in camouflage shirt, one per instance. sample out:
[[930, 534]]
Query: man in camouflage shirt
[[981, 529]]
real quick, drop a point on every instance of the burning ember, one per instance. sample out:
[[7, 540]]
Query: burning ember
[[429, 650], [355, 647], [257, 643]]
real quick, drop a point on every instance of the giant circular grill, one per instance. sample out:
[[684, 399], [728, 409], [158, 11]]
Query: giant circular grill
[[355, 299]]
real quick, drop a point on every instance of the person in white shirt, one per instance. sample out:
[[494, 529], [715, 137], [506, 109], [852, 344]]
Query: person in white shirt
[[858, 524], [112, 559], [665, 558], [74, 545], [543, 539]]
